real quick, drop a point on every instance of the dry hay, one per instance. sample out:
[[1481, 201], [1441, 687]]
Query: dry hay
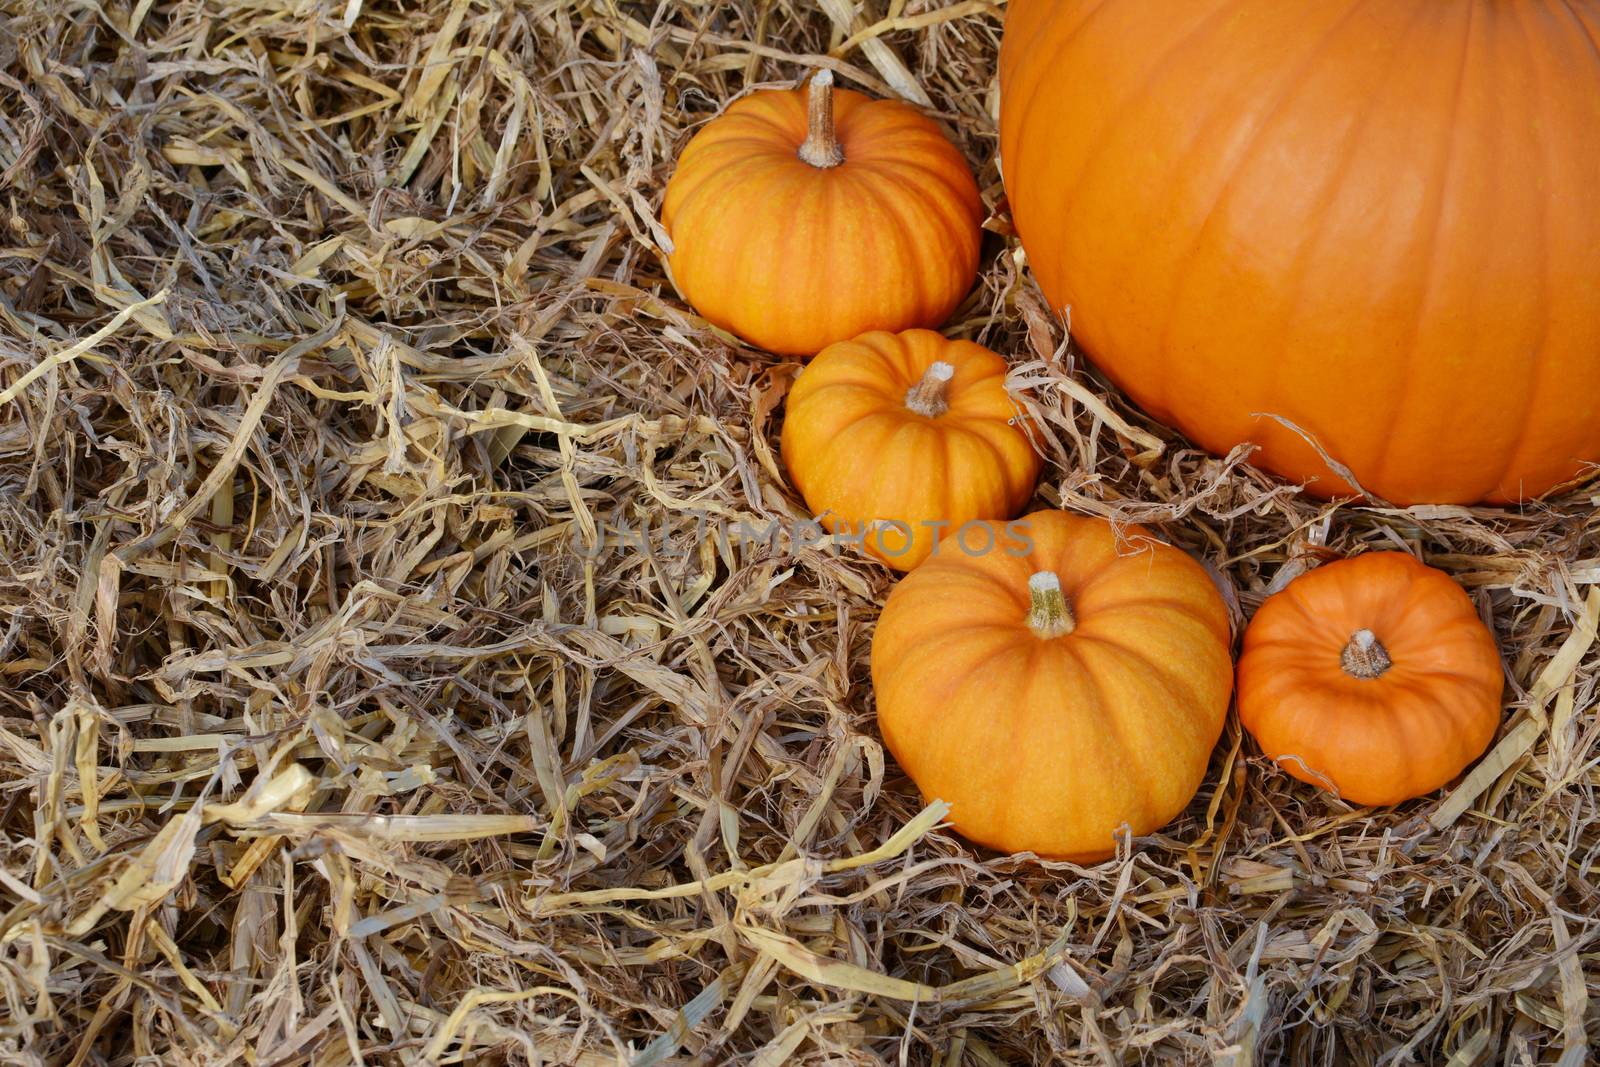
[[340, 726]]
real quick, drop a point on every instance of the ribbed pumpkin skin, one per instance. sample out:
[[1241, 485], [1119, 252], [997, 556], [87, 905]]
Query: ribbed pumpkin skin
[[1049, 745], [859, 456], [1372, 740], [792, 257], [1378, 221]]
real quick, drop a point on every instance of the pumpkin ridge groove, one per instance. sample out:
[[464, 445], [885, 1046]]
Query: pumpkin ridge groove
[[1524, 425], [910, 271], [1419, 314], [763, 146], [937, 693], [748, 256], [879, 490], [1171, 685], [891, 207], [1314, 622], [758, 115], [978, 671], [810, 199], [1444, 674], [945, 487], [1583, 25], [873, 393], [994, 450], [946, 632], [1291, 82], [723, 175], [942, 204], [971, 420], [1177, 607], [1042, 30], [1111, 728], [925, 202], [874, 423], [1092, 152], [954, 195], [831, 463]]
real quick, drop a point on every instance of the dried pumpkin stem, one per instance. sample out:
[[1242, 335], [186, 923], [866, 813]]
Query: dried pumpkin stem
[[1050, 616], [930, 396], [1365, 657], [821, 147]]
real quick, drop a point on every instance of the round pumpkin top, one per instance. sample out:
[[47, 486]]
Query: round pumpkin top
[[802, 218], [1066, 683], [899, 438], [1372, 677]]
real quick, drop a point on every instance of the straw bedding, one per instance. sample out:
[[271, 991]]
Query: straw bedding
[[346, 716]]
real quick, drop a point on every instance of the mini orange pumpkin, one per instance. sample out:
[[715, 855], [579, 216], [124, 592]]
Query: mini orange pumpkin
[[1372, 677], [1068, 682], [800, 219], [897, 438]]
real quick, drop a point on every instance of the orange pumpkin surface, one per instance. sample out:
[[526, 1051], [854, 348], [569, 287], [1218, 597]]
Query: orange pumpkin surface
[[803, 218], [896, 438], [1069, 682], [1372, 677], [1375, 221]]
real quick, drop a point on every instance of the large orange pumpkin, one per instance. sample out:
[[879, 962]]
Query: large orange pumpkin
[[1372, 677], [1069, 681], [897, 438], [1376, 221], [803, 218]]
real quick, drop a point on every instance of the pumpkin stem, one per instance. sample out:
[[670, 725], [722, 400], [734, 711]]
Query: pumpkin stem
[[1365, 657], [928, 397], [821, 147], [1050, 616]]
